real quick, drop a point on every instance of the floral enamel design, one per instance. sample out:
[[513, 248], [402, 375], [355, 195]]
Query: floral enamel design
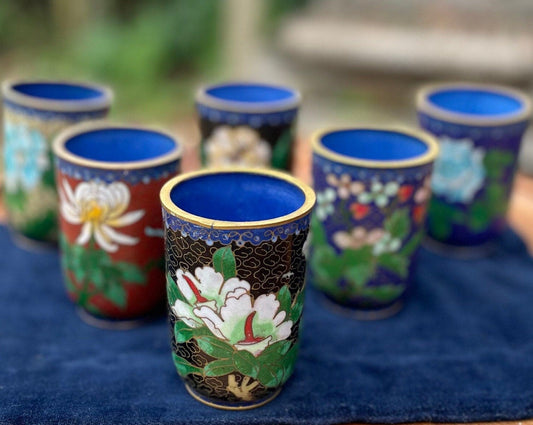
[[237, 146], [243, 332], [26, 157], [376, 226], [229, 311], [100, 208], [459, 171]]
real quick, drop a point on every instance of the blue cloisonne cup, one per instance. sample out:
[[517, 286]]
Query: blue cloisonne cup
[[34, 113], [247, 124], [372, 188], [235, 281], [480, 129]]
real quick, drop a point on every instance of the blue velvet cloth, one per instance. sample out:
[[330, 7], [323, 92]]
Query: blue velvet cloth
[[460, 350]]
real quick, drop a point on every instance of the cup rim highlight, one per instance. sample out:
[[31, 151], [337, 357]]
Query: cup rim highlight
[[424, 104], [427, 157], [10, 93], [172, 208], [204, 98], [60, 150]]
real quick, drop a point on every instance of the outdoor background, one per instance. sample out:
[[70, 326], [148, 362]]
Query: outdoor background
[[355, 61]]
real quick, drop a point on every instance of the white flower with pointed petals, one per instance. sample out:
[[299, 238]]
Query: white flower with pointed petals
[[99, 208]]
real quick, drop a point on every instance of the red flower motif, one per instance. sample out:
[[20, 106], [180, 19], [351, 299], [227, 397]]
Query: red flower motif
[[405, 192], [359, 211], [419, 213]]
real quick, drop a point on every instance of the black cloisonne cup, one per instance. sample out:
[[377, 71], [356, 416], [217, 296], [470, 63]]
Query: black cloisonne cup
[[247, 124], [235, 281]]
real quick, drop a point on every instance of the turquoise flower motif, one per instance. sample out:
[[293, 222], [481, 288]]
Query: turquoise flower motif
[[379, 193], [25, 157], [459, 172]]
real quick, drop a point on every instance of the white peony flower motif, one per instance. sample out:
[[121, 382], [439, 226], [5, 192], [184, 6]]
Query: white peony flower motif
[[208, 288], [228, 310], [239, 146], [99, 208], [246, 324]]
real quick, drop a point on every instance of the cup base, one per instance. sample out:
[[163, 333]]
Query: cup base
[[112, 324], [32, 245], [365, 315], [245, 405], [459, 251]]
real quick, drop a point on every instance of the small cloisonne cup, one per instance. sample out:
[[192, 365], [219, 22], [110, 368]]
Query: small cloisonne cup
[[480, 129], [247, 124], [372, 188], [34, 113], [111, 232], [235, 281]]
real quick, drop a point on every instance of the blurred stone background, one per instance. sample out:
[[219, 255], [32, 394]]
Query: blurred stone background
[[355, 61]]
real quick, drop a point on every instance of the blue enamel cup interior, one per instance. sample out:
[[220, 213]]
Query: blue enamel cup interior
[[58, 91], [120, 145], [250, 93], [479, 102], [237, 196], [374, 145]]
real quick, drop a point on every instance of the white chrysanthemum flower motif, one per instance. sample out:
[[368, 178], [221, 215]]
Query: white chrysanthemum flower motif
[[99, 208], [239, 146], [206, 287], [246, 324]]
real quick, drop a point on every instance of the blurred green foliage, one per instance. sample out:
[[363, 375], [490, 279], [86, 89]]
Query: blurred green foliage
[[153, 53]]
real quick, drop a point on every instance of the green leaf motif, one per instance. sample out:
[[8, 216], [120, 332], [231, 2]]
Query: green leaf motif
[[182, 332], [290, 361], [479, 217], [496, 161], [274, 353], [318, 233], [15, 200], [131, 273], [224, 262], [440, 219], [412, 244], [246, 363], [173, 293], [297, 306], [384, 293], [282, 150], [396, 263], [214, 347], [398, 224], [270, 375], [183, 366], [284, 298], [116, 294], [358, 275], [219, 367]]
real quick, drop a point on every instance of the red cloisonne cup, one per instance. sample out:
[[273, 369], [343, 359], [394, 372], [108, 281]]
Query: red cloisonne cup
[[111, 232]]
